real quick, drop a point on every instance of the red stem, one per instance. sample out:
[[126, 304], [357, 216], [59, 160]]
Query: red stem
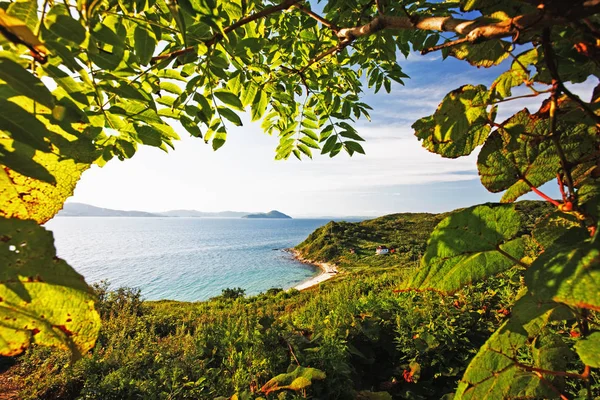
[[543, 196]]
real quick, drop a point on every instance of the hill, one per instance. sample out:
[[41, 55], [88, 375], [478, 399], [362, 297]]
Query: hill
[[86, 210], [271, 214], [203, 214], [352, 245]]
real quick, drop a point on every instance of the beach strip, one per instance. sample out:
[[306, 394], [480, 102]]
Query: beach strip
[[328, 271]]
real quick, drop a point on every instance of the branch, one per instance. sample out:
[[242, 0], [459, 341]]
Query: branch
[[218, 36], [556, 88], [475, 30], [444, 45], [321, 56], [319, 18]]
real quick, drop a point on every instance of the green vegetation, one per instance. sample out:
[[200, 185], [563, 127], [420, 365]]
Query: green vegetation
[[119, 72], [362, 334], [352, 245]]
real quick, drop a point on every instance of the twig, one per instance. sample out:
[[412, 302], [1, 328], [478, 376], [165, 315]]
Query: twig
[[379, 5], [317, 17], [557, 86], [445, 45], [550, 385], [292, 352], [321, 56]]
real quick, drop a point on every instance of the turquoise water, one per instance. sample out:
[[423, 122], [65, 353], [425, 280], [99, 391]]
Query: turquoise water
[[184, 258]]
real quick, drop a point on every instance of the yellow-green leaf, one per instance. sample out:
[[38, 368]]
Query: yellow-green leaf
[[42, 299]]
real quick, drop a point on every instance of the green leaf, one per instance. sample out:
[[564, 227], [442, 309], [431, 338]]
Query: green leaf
[[588, 350], [26, 198], [22, 126], [459, 125], [304, 149], [329, 144], [230, 99], [190, 126], [470, 245], [145, 43], [521, 154], [19, 158], [249, 93], [67, 28], [552, 227], [298, 379], [354, 147], [567, 272], [24, 82], [498, 372], [219, 139], [259, 107], [486, 54], [309, 142], [230, 115], [43, 300], [26, 11], [351, 135]]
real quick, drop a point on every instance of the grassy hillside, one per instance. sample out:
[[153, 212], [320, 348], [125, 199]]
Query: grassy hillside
[[407, 233], [370, 340]]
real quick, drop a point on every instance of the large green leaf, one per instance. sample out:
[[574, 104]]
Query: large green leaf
[[548, 230], [459, 125], [145, 43], [588, 350], [299, 378], [485, 54], [22, 195], [23, 126], [498, 371], [521, 154], [470, 245], [568, 272], [24, 82], [42, 299]]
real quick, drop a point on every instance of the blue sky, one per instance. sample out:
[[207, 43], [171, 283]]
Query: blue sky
[[396, 174]]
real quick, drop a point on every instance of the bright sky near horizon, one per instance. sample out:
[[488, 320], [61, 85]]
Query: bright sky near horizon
[[396, 174]]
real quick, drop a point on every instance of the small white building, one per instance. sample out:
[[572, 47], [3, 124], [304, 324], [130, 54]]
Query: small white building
[[382, 250]]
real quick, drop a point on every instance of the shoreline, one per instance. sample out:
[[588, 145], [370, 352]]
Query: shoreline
[[328, 271]]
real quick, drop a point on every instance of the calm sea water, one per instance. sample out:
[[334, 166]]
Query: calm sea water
[[184, 258]]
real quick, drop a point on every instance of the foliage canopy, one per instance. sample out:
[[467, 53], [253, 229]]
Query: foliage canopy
[[83, 82]]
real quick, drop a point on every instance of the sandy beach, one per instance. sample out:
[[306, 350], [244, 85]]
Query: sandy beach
[[328, 271]]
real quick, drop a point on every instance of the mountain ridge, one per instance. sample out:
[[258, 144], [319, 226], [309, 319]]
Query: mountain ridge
[[87, 210]]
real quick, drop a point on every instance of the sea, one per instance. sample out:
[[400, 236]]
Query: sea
[[186, 259]]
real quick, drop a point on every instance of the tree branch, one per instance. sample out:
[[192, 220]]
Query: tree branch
[[321, 56], [218, 36], [474, 30], [317, 17]]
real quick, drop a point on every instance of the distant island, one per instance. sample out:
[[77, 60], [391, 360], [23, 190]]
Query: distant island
[[86, 210], [271, 214]]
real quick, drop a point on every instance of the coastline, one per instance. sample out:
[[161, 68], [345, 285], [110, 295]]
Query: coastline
[[328, 271]]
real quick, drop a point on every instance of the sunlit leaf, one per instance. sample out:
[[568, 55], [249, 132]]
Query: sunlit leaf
[[43, 300], [468, 246]]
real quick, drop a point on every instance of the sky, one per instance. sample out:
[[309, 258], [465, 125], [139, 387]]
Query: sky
[[395, 175]]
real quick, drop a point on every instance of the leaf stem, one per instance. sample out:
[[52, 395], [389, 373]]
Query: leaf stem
[[543, 195], [510, 257]]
